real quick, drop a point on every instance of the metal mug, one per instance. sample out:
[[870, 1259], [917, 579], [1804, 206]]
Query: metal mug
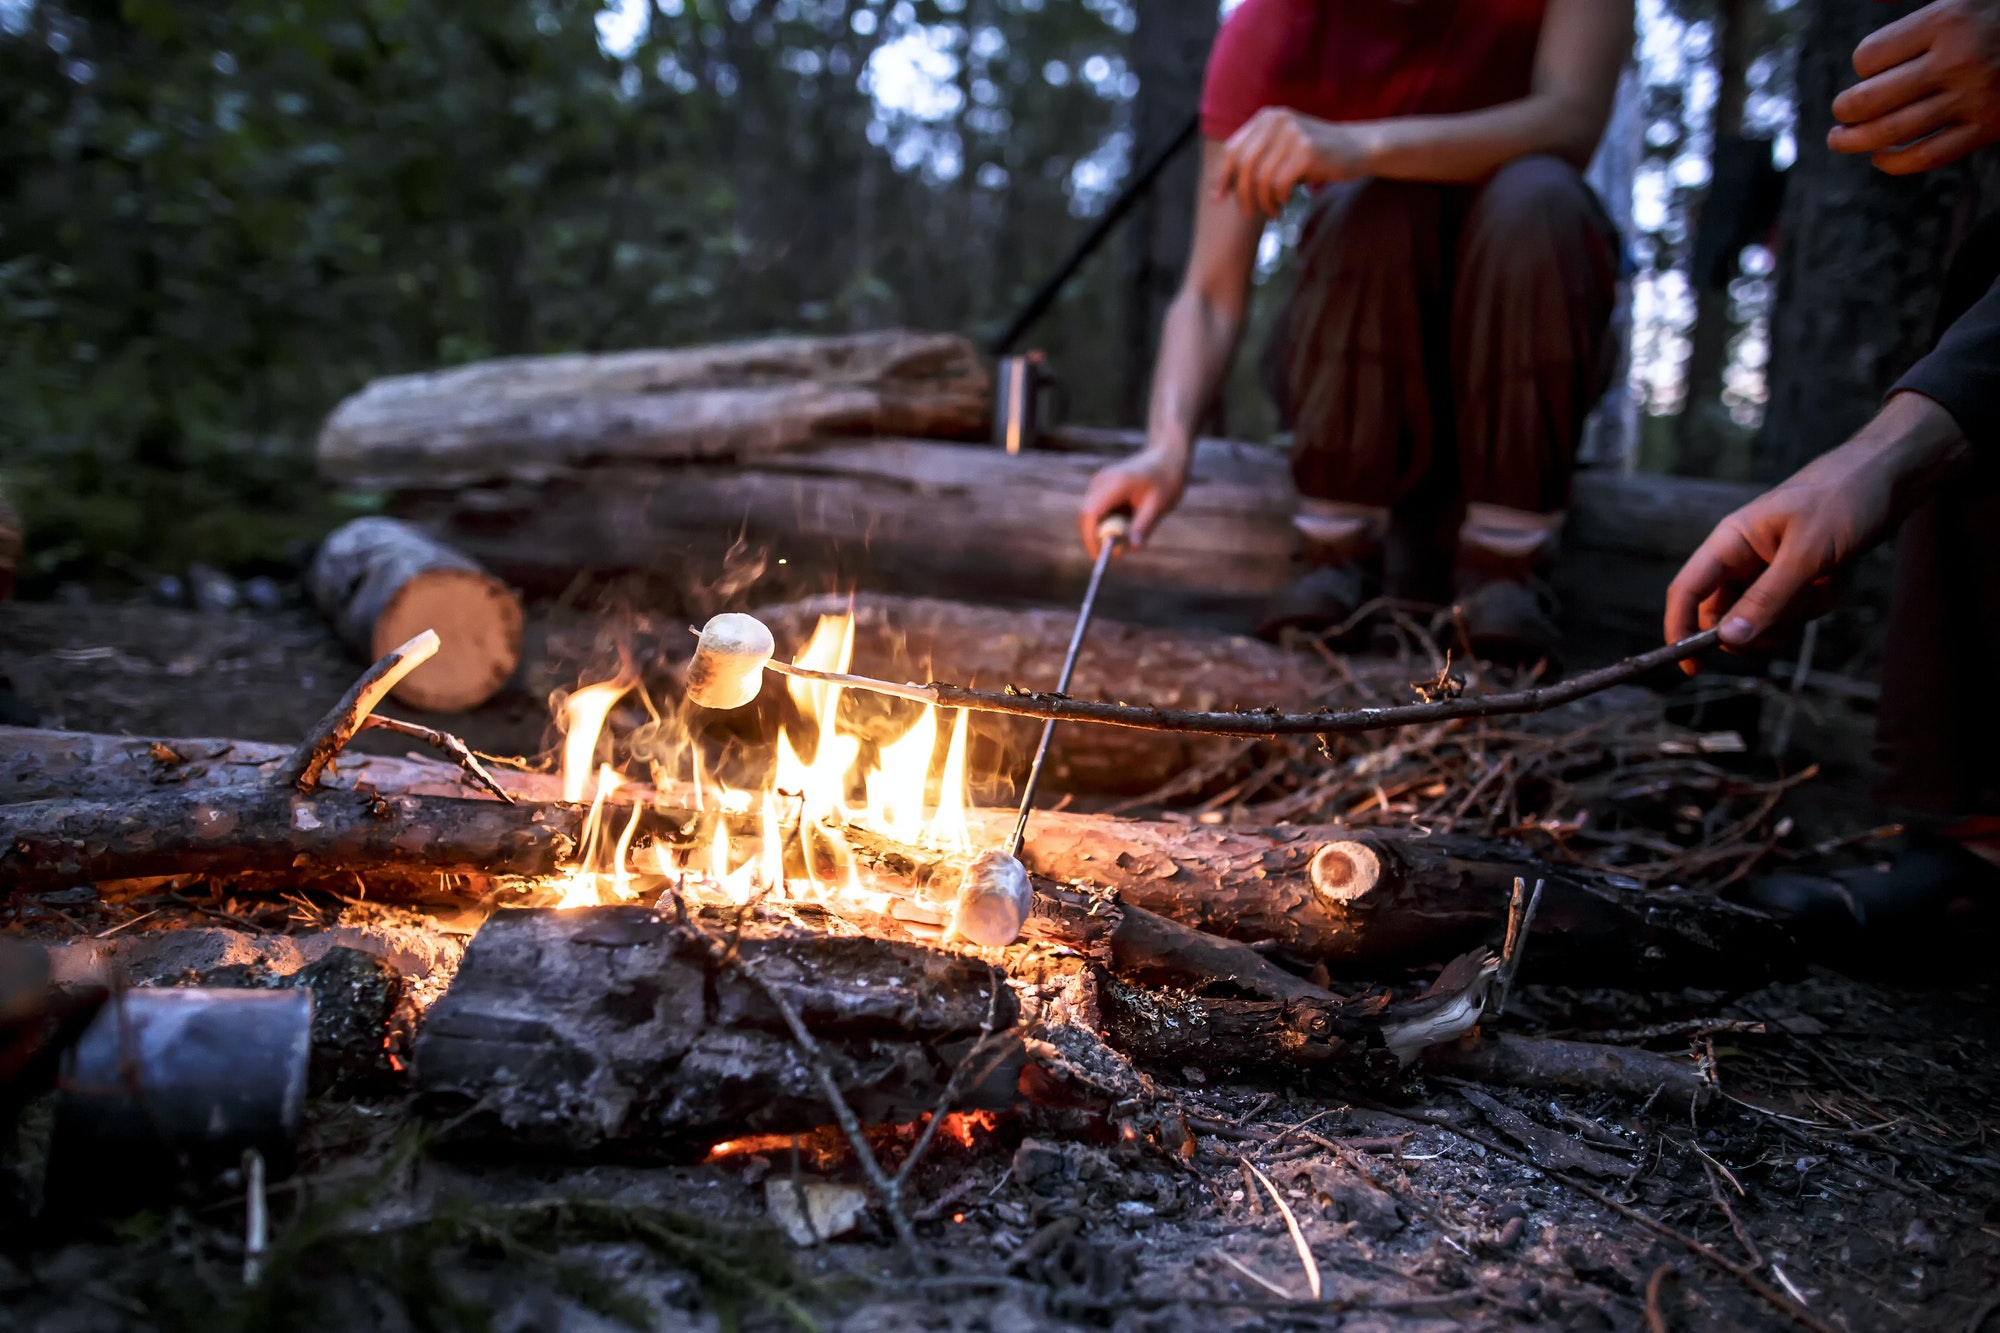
[[176, 1083], [1027, 400]]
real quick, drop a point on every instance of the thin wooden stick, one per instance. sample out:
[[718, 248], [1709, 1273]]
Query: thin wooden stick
[[1324, 722], [460, 752], [1270, 721], [324, 742]]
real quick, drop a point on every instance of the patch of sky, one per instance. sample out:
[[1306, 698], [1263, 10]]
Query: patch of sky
[[1097, 175], [622, 25]]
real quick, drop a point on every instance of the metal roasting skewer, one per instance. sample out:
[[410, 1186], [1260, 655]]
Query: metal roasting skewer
[[1111, 534]]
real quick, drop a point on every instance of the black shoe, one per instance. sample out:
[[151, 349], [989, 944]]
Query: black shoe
[[1511, 622], [1929, 905], [1327, 598]]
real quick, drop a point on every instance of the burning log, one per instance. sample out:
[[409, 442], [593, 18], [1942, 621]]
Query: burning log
[[1313, 893], [616, 1029], [381, 582], [531, 418]]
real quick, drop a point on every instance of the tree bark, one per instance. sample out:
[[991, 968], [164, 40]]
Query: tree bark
[[380, 582], [614, 1030], [1347, 898], [1322, 893], [1863, 258], [538, 417], [1699, 435], [944, 520], [1169, 54]]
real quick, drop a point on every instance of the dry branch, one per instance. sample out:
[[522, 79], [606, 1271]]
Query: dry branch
[[1327, 722]]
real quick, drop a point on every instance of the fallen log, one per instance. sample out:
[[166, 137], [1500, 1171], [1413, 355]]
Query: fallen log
[[991, 648], [896, 515], [615, 1030], [381, 582], [1331, 894], [943, 520], [1313, 893], [531, 418]]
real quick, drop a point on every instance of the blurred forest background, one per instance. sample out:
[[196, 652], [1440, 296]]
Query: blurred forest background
[[216, 219]]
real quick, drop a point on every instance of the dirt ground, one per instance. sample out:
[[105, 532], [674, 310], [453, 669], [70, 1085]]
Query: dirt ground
[[1850, 1167]]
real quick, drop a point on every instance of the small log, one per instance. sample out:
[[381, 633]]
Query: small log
[[531, 418], [1332, 894], [991, 648], [262, 830], [381, 582], [615, 1030], [1509, 1060]]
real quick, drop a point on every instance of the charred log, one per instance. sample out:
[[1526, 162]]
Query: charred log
[[616, 1030]]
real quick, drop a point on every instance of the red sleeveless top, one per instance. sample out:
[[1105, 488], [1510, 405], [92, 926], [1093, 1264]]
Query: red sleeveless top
[[1368, 59]]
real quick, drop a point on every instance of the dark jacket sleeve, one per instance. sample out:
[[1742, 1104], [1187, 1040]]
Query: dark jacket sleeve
[[1962, 373]]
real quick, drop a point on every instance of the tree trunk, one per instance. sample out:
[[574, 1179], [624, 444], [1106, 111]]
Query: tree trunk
[[1862, 259], [538, 417], [1169, 53], [381, 583], [614, 1030], [1698, 432]]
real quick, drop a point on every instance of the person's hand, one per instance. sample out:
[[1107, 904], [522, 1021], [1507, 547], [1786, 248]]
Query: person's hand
[[1759, 562], [1149, 484], [1278, 150], [1929, 91]]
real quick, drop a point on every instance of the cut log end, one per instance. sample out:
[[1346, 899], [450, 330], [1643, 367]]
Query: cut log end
[[478, 621], [1344, 871], [382, 582]]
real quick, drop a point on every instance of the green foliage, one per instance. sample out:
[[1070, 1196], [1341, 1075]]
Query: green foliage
[[222, 217]]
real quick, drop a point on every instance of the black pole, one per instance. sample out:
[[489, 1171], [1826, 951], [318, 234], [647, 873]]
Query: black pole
[[1141, 181]]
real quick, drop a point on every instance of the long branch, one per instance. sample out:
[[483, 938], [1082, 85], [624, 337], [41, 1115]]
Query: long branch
[[1323, 722]]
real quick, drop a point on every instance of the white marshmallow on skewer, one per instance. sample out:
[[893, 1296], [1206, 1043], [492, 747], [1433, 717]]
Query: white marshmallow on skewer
[[993, 900], [729, 661]]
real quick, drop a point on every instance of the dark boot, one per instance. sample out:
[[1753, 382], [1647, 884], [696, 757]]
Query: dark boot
[[1341, 545], [1929, 905], [1508, 610]]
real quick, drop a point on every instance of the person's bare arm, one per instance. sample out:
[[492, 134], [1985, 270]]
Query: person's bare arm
[[1583, 45], [1197, 341], [1757, 564], [1929, 91]]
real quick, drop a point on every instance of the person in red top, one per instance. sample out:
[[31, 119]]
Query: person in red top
[[1446, 335]]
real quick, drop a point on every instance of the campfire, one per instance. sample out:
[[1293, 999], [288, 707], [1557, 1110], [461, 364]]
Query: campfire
[[802, 811], [746, 953]]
